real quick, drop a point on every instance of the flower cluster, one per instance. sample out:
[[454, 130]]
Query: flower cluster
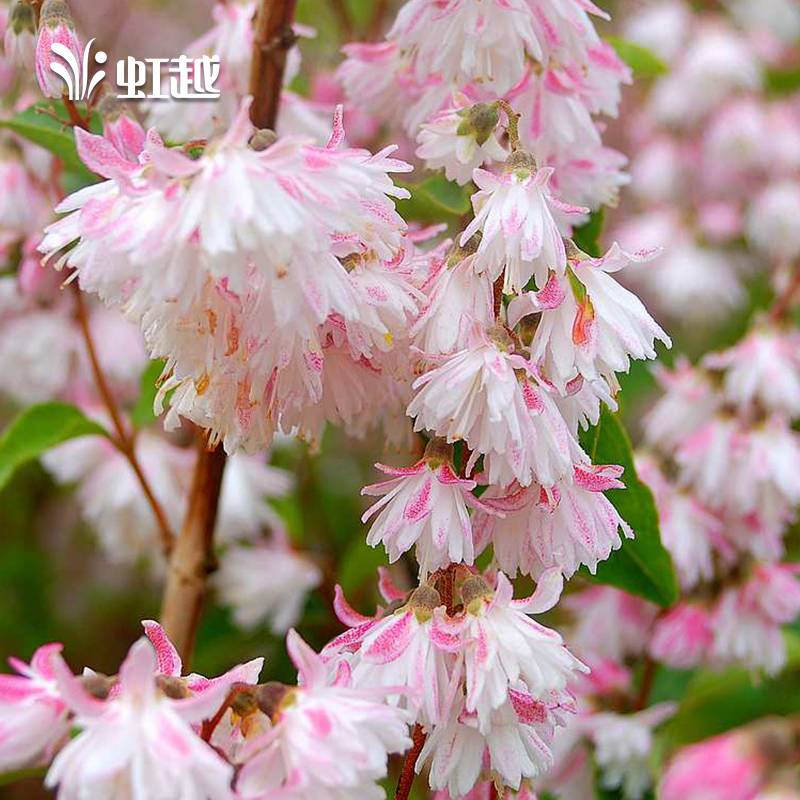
[[456, 64], [152, 732], [714, 155]]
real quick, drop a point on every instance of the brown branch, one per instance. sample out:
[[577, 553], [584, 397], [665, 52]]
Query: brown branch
[[193, 555], [273, 38], [375, 27], [408, 774], [122, 439]]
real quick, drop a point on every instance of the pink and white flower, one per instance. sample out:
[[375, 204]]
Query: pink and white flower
[[622, 747], [266, 582], [514, 213], [465, 40], [683, 637], [506, 650], [764, 368], [328, 740], [33, 717], [57, 44], [139, 742], [424, 505], [600, 325], [409, 648], [560, 526]]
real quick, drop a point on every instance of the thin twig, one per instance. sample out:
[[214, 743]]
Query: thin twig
[[512, 126], [787, 299], [210, 725], [408, 773], [122, 439], [646, 686]]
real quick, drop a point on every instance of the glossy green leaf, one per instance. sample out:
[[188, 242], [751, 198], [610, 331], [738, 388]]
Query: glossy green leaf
[[644, 62], [433, 199], [642, 565], [47, 132], [39, 428]]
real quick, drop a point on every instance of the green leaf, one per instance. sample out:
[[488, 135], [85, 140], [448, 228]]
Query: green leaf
[[587, 237], [644, 62], [782, 82], [716, 702], [37, 429], [642, 565], [43, 130], [434, 198], [142, 414]]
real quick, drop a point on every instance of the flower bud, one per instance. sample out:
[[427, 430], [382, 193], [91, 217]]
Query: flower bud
[[20, 38], [479, 122], [55, 28]]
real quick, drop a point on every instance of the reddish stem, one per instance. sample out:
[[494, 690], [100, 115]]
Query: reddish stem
[[122, 440], [408, 774]]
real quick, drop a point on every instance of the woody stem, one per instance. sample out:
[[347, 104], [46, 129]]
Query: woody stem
[[122, 439], [193, 557], [408, 774], [273, 38]]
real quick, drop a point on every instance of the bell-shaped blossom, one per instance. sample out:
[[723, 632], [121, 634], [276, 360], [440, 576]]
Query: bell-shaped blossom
[[33, 717], [504, 646], [465, 41], [763, 368], [458, 297], [600, 325], [688, 530], [139, 742], [514, 213], [727, 767], [683, 636], [609, 623], [516, 746], [408, 648], [770, 223], [622, 747], [19, 42], [424, 505], [328, 740], [243, 512], [242, 583], [474, 395], [743, 469], [688, 401], [560, 526], [747, 619], [110, 496]]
